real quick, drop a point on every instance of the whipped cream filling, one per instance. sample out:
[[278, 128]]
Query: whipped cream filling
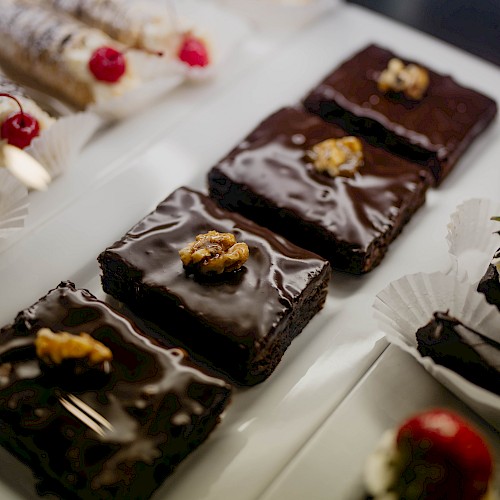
[[159, 30], [9, 107], [383, 469], [77, 55]]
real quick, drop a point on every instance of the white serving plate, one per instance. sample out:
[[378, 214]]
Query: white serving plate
[[129, 168], [331, 464]]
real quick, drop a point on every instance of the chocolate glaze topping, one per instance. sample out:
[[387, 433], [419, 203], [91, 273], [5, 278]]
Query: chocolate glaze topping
[[244, 306], [152, 399], [471, 354], [272, 163], [435, 130]]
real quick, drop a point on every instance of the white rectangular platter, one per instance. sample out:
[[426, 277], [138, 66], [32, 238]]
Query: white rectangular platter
[[132, 166], [331, 464]]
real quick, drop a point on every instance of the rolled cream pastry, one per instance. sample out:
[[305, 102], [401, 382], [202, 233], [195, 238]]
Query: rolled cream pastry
[[9, 107], [54, 50], [143, 24]]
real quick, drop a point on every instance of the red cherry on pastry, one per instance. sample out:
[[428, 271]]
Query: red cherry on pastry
[[193, 52], [448, 457], [107, 64], [20, 128]]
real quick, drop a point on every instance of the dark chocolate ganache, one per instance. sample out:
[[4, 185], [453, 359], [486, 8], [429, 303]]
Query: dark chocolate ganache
[[443, 122], [469, 353], [273, 163], [145, 413], [247, 306]]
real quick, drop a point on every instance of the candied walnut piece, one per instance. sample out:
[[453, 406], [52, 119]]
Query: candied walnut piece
[[338, 157], [214, 253], [54, 348], [410, 79]]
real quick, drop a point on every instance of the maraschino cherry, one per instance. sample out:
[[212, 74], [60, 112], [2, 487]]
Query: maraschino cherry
[[20, 128], [193, 51], [447, 457], [107, 64]]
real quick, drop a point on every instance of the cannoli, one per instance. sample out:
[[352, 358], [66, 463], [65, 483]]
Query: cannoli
[[78, 63], [21, 118], [146, 24]]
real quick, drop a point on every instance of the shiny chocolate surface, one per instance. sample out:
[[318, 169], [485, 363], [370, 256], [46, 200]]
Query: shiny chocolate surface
[[443, 123], [246, 306], [141, 413], [273, 163], [469, 353]]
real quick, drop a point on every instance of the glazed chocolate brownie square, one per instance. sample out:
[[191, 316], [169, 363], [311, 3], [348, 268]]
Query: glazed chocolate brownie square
[[106, 427], [270, 178], [240, 322], [434, 131]]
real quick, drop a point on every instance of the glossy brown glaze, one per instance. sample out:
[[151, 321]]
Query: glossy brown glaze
[[242, 312], [469, 353], [434, 131], [270, 178], [159, 407]]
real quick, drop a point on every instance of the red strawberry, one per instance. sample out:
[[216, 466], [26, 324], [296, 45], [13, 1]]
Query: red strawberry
[[443, 457]]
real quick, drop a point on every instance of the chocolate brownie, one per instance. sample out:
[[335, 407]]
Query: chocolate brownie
[[241, 321], [270, 177], [490, 283], [105, 430], [434, 131], [467, 352]]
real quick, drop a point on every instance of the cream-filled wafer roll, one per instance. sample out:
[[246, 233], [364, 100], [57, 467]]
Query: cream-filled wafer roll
[[81, 64], [21, 118], [143, 24]]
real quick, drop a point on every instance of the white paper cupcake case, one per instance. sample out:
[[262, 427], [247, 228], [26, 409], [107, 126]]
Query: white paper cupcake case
[[57, 147], [13, 204], [407, 304], [472, 237]]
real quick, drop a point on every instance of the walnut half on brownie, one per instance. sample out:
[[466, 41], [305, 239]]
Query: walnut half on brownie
[[231, 292]]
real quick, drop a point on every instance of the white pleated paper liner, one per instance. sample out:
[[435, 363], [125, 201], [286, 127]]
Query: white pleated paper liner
[[409, 303], [280, 15], [473, 237], [57, 147], [13, 204]]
